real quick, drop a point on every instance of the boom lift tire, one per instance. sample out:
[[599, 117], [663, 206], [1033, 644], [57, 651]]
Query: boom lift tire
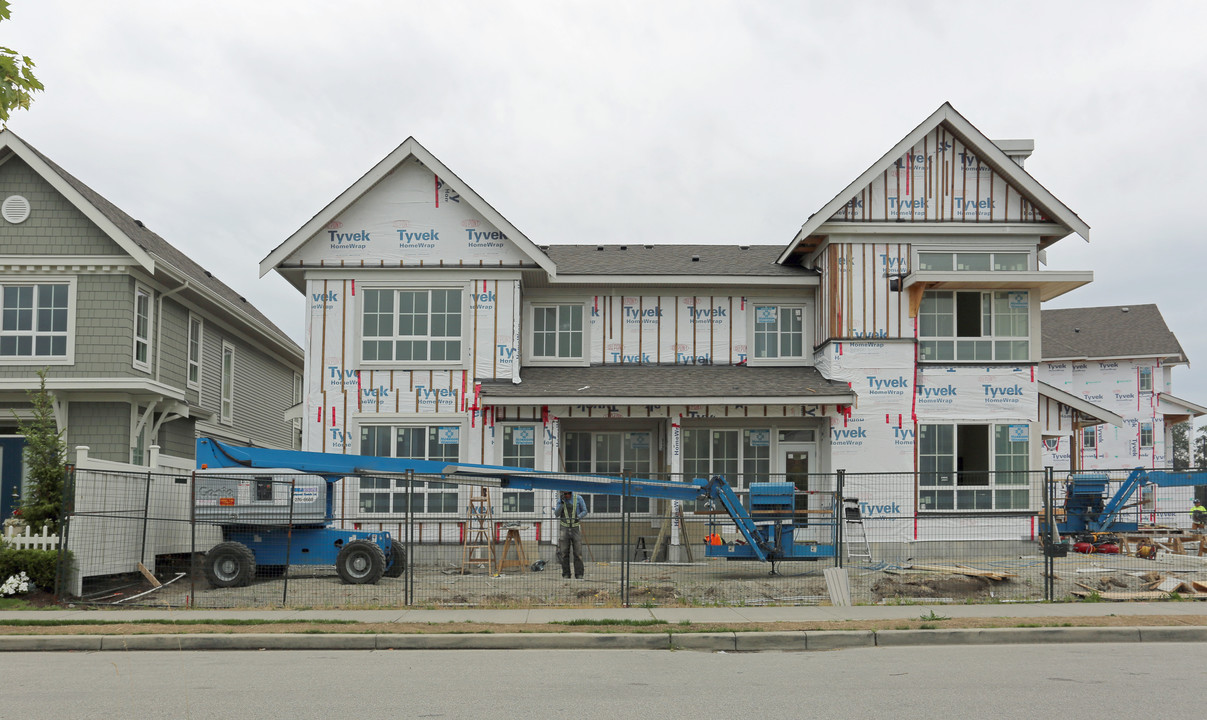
[[360, 563], [398, 556], [229, 564]]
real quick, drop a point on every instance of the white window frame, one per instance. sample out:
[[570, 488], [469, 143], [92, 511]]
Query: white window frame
[[598, 466], [1145, 373], [192, 364], [1146, 428], [144, 341], [936, 476], [530, 309], [806, 331], [395, 487], [955, 256], [929, 344], [750, 462], [463, 338], [527, 497], [68, 358], [1089, 434], [226, 398], [296, 423]]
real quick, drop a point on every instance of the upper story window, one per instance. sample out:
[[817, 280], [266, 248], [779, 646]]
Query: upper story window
[[778, 332], [1146, 379], [974, 326], [194, 377], [558, 333], [142, 328], [1089, 438], [36, 321], [411, 325], [1146, 435], [973, 261], [228, 384]]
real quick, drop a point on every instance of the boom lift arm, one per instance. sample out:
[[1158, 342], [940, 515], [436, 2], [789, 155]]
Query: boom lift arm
[[1088, 510]]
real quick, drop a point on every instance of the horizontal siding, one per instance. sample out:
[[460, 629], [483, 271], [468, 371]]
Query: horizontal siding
[[103, 427], [263, 389]]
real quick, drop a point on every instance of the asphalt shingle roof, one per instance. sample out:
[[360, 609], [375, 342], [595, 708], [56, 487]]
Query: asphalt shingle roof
[[667, 381], [753, 260], [1117, 331]]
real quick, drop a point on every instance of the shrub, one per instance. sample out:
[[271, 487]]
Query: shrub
[[44, 452], [39, 565]]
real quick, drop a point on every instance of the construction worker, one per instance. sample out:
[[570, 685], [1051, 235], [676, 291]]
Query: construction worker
[[1198, 515], [569, 511]]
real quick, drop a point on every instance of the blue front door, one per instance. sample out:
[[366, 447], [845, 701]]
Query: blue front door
[[12, 460]]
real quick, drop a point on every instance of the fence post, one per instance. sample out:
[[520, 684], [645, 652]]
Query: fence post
[[626, 523], [288, 545], [1048, 537], [839, 516]]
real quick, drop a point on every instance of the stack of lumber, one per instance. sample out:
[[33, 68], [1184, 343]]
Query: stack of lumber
[[961, 570]]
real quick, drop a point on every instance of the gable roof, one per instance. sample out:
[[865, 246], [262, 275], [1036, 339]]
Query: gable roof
[[749, 260], [410, 148], [149, 250], [982, 146], [1117, 331]]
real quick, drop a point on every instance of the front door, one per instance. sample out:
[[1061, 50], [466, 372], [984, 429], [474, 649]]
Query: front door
[[12, 470]]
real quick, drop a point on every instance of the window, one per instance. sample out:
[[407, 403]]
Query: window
[[973, 467], [973, 261], [194, 376], [1089, 438], [35, 321], [142, 329], [740, 456], [411, 326], [779, 332], [1146, 435], [1146, 379], [228, 383], [557, 332], [519, 450], [383, 495], [974, 326], [610, 453]]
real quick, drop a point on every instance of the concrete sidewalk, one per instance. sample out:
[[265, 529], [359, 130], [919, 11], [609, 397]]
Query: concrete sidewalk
[[675, 635]]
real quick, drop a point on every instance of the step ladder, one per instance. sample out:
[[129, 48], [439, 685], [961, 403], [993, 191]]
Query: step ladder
[[478, 547], [853, 530]]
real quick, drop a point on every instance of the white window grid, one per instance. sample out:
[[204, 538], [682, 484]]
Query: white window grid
[[974, 326], [36, 320], [778, 331], [558, 331], [196, 331], [411, 325], [227, 411], [142, 328]]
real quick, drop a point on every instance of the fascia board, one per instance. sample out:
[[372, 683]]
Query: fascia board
[[974, 139], [409, 148], [98, 218], [705, 280], [97, 385], [1079, 404], [1187, 407], [668, 400]]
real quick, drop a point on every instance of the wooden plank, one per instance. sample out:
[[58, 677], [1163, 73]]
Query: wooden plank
[[148, 575]]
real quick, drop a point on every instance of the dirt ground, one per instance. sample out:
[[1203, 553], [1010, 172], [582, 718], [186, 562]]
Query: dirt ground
[[713, 582]]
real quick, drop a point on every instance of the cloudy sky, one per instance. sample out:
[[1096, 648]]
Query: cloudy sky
[[224, 126]]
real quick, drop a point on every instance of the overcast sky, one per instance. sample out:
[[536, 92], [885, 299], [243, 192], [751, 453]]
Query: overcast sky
[[224, 126]]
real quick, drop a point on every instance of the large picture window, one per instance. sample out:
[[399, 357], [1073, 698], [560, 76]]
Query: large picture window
[[779, 332], [973, 467], [34, 320], [740, 456], [557, 332], [974, 326], [411, 325], [422, 442], [610, 453]]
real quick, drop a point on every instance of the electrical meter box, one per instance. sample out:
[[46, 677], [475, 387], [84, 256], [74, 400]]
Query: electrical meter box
[[260, 497]]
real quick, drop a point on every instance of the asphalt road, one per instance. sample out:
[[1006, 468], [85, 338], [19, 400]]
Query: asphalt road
[[1066, 681]]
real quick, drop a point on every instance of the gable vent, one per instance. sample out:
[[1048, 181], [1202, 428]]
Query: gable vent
[[15, 209]]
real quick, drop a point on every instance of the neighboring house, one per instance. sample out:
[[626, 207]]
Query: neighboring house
[[1120, 358], [143, 346], [897, 332]]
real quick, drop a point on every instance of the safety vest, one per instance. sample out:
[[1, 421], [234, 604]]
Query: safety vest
[[569, 516], [1198, 513]]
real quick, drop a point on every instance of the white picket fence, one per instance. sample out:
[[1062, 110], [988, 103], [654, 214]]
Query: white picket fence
[[26, 540]]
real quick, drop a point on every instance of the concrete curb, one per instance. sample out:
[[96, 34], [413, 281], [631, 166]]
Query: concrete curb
[[705, 642]]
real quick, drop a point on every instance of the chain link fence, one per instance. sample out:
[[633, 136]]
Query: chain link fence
[[250, 539]]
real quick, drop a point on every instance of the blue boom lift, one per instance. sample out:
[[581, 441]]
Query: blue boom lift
[[1089, 511], [228, 485]]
